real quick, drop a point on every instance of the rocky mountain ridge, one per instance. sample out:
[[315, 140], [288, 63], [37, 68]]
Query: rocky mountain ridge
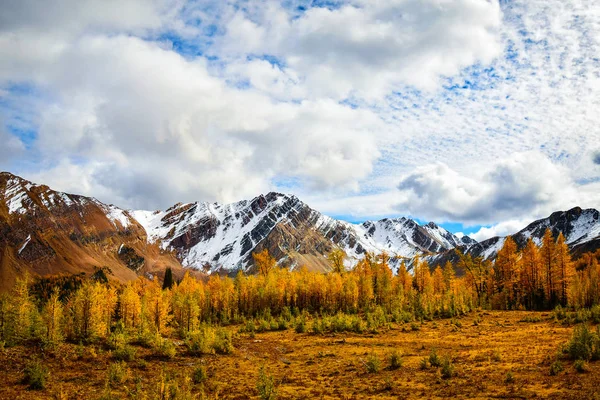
[[223, 237], [580, 227], [48, 232]]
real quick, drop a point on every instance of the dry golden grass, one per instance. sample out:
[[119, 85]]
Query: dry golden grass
[[484, 348]]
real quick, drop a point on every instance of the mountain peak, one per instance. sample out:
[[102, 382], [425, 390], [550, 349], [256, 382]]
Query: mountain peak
[[8, 175], [579, 227], [223, 236]]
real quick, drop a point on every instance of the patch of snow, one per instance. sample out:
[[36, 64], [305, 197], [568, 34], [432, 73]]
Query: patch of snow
[[115, 214], [585, 228], [66, 199], [25, 244], [494, 249], [236, 223], [151, 221], [15, 194]]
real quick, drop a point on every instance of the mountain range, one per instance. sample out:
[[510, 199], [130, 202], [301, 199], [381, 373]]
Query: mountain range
[[49, 232]]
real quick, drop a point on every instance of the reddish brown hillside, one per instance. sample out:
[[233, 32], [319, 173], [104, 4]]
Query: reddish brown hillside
[[47, 232]]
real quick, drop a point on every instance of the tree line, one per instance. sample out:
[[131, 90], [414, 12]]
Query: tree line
[[78, 309]]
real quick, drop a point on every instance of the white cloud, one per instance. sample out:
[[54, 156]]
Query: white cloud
[[146, 103], [367, 48], [150, 118], [524, 185], [504, 228]]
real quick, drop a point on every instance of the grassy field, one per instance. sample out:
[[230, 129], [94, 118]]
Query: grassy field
[[486, 355]]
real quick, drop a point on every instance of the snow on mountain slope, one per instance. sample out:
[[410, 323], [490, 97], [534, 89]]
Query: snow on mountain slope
[[22, 197], [86, 232], [44, 232], [219, 235], [577, 225], [224, 236]]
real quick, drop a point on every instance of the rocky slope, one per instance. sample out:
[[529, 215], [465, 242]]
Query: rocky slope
[[581, 229], [47, 232], [577, 225], [223, 237]]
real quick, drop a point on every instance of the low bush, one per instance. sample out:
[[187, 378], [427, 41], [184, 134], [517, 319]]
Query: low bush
[[222, 343], [447, 368], [396, 359], [199, 342], [116, 340], [580, 366], [556, 367], [434, 359], [300, 325], [208, 340], [263, 326], [496, 357], [118, 373], [163, 348], [282, 323], [373, 364], [124, 353], [266, 385], [35, 375], [173, 386], [584, 344], [199, 375], [317, 326]]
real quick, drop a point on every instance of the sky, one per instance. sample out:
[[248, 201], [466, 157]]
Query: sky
[[480, 115]]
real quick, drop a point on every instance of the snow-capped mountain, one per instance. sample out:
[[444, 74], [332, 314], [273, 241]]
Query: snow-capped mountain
[[220, 237], [49, 232], [581, 229]]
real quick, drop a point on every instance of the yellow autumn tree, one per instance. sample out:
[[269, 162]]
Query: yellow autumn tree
[[264, 261], [439, 286], [52, 317], [564, 269], [531, 279], [336, 260], [549, 269], [156, 307], [506, 276], [477, 272], [187, 302], [130, 307]]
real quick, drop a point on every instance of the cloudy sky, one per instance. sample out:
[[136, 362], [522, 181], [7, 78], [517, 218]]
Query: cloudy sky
[[480, 115]]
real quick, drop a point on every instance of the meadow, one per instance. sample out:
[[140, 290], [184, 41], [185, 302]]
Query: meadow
[[485, 354]]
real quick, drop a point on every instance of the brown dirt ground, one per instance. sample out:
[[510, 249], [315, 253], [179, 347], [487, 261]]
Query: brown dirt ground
[[484, 349]]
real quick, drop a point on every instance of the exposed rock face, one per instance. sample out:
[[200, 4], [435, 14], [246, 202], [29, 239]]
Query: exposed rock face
[[48, 232], [578, 226], [224, 236], [581, 229]]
